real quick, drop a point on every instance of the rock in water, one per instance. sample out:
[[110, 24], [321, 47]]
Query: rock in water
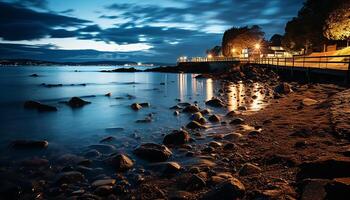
[[153, 152], [231, 189], [136, 106], [70, 177], [214, 118], [196, 116], [144, 105], [177, 138], [77, 102], [215, 102], [191, 109], [120, 162], [34, 75], [283, 88], [30, 144], [172, 168], [237, 121], [39, 106], [195, 125]]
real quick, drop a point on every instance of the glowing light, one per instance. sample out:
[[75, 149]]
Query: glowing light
[[257, 46], [210, 56], [233, 50], [139, 63]]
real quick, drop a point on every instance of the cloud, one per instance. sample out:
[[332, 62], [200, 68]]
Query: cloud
[[19, 23]]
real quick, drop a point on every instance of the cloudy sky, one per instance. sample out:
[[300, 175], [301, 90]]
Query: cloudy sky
[[148, 30]]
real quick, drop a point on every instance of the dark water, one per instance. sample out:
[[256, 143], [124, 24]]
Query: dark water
[[74, 129]]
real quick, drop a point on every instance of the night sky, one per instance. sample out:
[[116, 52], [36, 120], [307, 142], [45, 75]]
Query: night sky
[[146, 31]]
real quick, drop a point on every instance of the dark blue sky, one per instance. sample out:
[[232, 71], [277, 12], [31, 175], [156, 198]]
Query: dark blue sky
[[155, 30]]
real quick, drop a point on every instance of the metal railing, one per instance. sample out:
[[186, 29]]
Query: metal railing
[[322, 62]]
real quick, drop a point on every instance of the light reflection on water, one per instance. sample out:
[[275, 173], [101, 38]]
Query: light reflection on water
[[74, 128]]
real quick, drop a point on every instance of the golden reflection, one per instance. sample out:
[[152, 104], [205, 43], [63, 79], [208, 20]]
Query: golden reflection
[[209, 89], [240, 95], [182, 86]]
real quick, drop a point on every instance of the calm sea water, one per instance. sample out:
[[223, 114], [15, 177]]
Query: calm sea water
[[73, 129]]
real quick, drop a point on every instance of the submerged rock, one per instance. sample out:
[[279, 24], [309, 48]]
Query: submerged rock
[[215, 102], [231, 189], [136, 106], [76, 102], [34, 75], [39, 106], [30, 144], [177, 138], [120, 162], [153, 152], [103, 148], [70, 177]]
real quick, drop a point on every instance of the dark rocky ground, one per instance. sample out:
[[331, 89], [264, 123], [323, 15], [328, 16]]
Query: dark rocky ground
[[297, 147]]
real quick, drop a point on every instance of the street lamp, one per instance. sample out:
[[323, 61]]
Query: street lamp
[[210, 56], [233, 51]]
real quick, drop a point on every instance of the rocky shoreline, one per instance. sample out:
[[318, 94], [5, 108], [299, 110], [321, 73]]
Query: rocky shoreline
[[296, 147]]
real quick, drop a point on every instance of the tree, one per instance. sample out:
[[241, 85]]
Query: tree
[[238, 38], [337, 26], [276, 40], [216, 51], [306, 30]]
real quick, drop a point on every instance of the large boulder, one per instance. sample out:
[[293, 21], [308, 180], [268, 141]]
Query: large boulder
[[215, 102], [153, 152], [30, 144], [76, 102], [39, 106], [283, 88], [120, 162], [177, 138], [228, 190]]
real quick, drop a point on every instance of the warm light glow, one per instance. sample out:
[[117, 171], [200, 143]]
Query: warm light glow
[[257, 46], [233, 50], [210, 56]]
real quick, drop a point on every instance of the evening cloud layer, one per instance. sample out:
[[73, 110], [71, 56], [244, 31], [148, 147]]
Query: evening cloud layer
[[130, 30]]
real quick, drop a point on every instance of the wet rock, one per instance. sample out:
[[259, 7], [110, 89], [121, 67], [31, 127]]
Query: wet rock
[[191, 109], [104, 190], [76, 102], [172, 168], [103, 148], [195, 182], [249, 169], [196, 116], [34, 75], [231, 189], [69, 177], [338, 188], [202, 120], [205, 112], [175, 107], [120, 162], [177, 138], [229, 146], [215, 144], [233, 136], [108, 94], [102, 182], [237, 121], [214, 118], [145, 105], [308, 102], [39, 106], [176, 113], [215, 102], [136, 106], [148, 191], [242, 108], [153, 152], [283, 88], [183, 104], [10, 190], [195, 125], [231, 114], [325, 168], [30, 144], [108, 139]]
